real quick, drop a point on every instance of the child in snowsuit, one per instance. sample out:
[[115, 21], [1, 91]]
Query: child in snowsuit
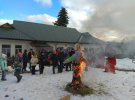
[[18, 66]]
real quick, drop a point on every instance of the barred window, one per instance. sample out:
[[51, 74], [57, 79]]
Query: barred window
[[6, 49]]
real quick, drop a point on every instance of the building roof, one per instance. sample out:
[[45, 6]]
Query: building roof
[[21, 30], [87, 38], [50, 33], [7, 31]]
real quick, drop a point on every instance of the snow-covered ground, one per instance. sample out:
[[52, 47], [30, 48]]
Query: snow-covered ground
[[126, 64], [119, 86]]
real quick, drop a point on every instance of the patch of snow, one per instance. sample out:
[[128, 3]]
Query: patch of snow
[[125, 63], [108, 86]]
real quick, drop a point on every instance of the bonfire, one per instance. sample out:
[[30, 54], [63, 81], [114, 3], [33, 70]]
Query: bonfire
[[77, 77], [77, 86]]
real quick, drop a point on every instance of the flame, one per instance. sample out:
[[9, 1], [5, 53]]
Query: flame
[[82, 66]]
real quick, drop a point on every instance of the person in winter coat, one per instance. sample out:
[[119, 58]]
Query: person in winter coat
[[34, 61], [110, 64], [25, 61], [43, 60], [54, 60], [4, 67], [61, 60], [18, 66], [29, 57]]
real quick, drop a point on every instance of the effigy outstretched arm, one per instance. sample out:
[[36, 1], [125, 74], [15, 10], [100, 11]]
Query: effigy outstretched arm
[[70, 59]]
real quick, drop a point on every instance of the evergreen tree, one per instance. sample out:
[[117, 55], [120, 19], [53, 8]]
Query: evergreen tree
[[62, 18]]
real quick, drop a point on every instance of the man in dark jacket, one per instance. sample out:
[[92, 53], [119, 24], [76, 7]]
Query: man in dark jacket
[[61, 60], [43, 60], [54, 60], [25, 61]]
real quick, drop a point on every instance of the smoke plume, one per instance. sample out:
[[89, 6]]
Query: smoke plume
[[114, 18]]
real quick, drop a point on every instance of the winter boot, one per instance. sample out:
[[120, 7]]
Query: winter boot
[[3, 78], [19, 77]]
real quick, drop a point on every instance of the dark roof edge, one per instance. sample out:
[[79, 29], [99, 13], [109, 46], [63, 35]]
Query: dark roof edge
[[37, 40], [15, 39], [44, 24]]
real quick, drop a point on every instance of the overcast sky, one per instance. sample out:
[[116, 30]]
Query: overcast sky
[[109, 20]]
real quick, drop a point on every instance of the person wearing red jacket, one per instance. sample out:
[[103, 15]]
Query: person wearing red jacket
[[110, 64]]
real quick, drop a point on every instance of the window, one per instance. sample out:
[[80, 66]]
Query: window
[[6, 49], [18, 48]]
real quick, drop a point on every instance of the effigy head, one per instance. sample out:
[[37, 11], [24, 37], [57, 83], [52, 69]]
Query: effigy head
[[77, 46]]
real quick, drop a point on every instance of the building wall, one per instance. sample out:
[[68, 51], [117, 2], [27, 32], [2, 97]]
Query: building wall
[[12, 43], [26, 45], [64, 45], [83, 46]]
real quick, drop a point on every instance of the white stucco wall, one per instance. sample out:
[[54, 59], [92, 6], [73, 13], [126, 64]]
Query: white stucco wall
[[65, 45], [56, 45], [12, 43], [26, 45]]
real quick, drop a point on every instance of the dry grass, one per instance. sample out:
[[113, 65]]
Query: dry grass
[[65, 98], [85, 90]]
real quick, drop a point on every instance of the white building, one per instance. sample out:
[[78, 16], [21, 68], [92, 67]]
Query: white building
[[25, 35]]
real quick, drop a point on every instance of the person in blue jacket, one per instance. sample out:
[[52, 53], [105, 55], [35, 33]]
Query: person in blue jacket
[[3, 66]]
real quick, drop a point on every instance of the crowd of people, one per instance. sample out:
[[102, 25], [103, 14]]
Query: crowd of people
[[31, 59]]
